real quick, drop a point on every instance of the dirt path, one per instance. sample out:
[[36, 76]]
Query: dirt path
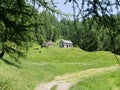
[[66, 81]]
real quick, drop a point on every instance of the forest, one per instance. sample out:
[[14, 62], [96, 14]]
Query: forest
[[85, 34]]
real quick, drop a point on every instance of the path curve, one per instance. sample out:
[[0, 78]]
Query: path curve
[[66, 81]]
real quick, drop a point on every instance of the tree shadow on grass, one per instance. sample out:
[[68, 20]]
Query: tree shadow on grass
[[17, 64]]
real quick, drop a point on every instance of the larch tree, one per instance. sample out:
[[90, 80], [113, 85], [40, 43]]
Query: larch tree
[[17, 25]]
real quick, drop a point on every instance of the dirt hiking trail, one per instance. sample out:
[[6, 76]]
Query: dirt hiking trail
[[66, 81]]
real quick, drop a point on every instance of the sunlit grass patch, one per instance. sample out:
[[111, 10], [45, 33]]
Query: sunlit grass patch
[[107, 81]]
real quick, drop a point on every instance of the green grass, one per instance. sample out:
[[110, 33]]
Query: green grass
[[54, 87], [43, 64], [107, 81]]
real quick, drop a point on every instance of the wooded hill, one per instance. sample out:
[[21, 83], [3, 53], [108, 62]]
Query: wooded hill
[[86, 34]]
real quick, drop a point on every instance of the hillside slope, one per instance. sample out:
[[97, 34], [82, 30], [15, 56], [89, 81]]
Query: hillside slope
[[43, 64]]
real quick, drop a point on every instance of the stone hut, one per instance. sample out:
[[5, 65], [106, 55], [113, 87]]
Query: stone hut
[[48, 43], [65, 44]]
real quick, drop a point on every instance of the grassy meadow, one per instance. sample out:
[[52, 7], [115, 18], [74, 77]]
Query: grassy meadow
[[43, 64]]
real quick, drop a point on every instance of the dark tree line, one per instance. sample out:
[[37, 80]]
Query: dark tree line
[[90, 37]]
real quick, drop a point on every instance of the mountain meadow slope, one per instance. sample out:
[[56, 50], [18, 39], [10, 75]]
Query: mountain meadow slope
[[43, 64]]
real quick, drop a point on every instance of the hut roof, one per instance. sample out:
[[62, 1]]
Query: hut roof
[[67, 41]]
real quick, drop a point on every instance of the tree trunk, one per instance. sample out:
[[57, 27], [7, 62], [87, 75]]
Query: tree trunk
[[2, 54]]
